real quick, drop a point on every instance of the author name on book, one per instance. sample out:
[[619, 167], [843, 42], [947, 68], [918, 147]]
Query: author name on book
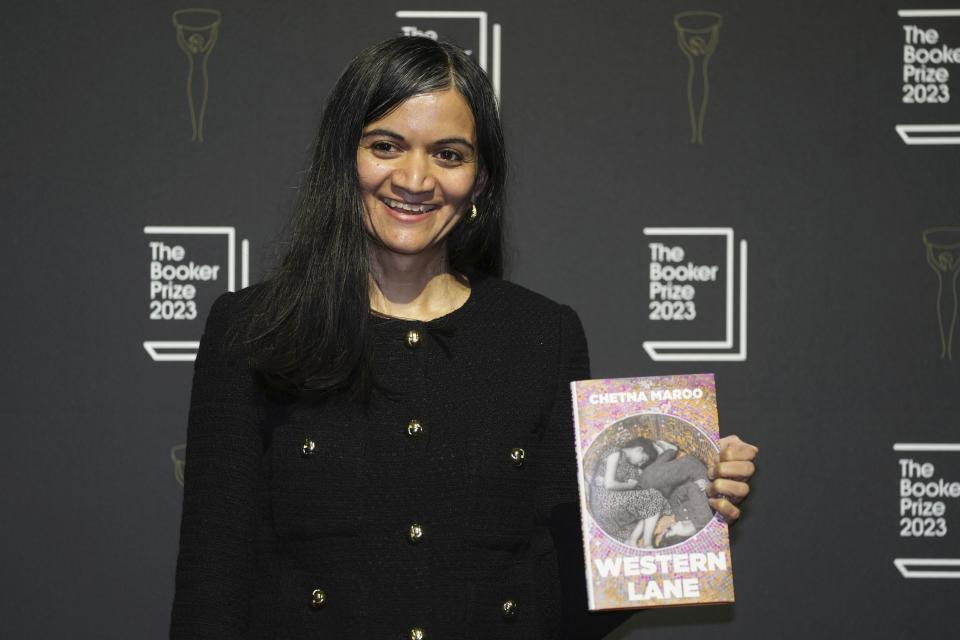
[[650, 395]]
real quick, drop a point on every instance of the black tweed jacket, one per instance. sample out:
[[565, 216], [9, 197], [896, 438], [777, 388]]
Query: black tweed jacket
[[446, 509]]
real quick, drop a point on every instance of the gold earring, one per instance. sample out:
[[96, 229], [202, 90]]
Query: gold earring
[[473, 213]]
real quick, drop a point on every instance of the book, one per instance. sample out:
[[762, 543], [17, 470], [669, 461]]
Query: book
[[644, 448]]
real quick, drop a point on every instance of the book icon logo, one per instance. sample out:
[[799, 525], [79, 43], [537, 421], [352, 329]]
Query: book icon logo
[[470, 30], [926, 518], [698, 33], [929, 59], [943, 256], [196, 31], [697, 294], [188, 266]]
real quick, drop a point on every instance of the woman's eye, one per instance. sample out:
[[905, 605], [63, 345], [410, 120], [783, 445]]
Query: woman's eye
[[383, 147], [449, 156]]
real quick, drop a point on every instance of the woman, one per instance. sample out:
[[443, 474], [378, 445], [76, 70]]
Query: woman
[[625, 511], [380, 439]]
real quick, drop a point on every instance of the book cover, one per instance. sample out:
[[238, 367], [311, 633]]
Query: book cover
[[644, 447]]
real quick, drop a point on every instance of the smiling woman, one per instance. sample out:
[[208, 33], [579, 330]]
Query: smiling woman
[[410, 122], [418, 177], [410, 170], [380, 441]]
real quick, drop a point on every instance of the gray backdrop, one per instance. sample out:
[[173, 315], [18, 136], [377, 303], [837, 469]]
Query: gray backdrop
[[810, 185]]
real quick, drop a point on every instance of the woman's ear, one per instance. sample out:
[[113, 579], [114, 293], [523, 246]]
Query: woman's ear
[[480, 184]]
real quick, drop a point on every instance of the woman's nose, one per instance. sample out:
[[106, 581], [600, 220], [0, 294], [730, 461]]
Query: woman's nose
[[414, 173]]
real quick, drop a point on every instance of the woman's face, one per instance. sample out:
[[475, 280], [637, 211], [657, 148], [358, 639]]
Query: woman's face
[[636, 455], [418, 172]]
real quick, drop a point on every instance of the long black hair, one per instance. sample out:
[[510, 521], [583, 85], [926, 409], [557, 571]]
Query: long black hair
[[646, 445], [308, 331]]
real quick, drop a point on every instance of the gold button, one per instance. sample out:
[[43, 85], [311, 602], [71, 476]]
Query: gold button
[[417, 634], [415, 533], [509, 609], [519, 456], [413, 338], [309, 448], [414, 428], [318, 598]]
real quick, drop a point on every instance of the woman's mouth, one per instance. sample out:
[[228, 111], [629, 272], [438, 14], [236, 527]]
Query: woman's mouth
[[408, 208]]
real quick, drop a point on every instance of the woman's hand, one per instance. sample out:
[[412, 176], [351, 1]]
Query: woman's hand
[[731, 475]]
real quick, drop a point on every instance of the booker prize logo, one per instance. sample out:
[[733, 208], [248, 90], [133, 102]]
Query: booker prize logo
[[943, 255], [698, 34], [470, 30], [929, 61], [697, 294], [928, 499], [187, 268], [196, 32]]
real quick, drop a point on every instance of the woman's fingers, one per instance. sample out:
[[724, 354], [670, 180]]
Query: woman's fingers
[[730, 475], [733, 448], [734, 470], [733, 490], [725, 508]]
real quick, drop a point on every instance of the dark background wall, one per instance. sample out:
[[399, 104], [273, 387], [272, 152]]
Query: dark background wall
[[838, 357]]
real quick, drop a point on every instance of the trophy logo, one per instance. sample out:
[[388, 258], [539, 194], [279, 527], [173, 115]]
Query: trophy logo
[[470, 30], [694, 282], [929, 59], [197, 31], [178, 455], [943, 256], [188, 267], [928, 497], [698, 33]]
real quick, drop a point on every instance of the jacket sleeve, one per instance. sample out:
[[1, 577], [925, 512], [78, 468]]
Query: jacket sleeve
[[561, 493], [215, 567]]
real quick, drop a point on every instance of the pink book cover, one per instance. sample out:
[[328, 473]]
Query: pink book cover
[[644, 448]]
